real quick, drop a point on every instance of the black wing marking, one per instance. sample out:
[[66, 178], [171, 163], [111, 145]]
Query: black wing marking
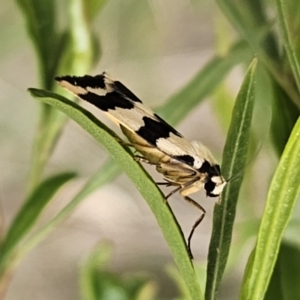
[[125, 108]]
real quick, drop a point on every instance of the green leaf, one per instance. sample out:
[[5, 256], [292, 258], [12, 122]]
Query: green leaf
[[92, 8], [234, 162], [259, 36], [139, 177], [281, 199], [284, 116], [289, 265], [105, 175], [252, 25], [96, 282], [79, 52], [288, 41], [203, 84], [32, 209], [148, 291], [71, 52], [41, 22], [97, 260], [173, 273], [48, 132], [275, 288]]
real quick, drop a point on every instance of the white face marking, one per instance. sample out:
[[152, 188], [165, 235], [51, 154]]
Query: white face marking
[[220, 184], [217, 179]]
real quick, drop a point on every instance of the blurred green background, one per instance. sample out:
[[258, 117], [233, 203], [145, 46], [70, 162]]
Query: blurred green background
[[155, 48]]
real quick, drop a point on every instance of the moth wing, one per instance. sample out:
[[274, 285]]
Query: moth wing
[[126, 109]]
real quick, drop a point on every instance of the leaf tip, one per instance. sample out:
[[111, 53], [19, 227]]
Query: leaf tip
[[35, 92]]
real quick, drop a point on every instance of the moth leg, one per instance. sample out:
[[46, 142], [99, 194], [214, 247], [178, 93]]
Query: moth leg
[[198, 221], [124, 143], [144, 160], [172, 192], [140, 158], [166, 183]]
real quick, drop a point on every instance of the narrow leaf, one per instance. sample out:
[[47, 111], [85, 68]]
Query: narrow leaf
[[41, 24], [93, 7], [32, 209], [70, 52], [289, 264], [275, 288], [139, 177], [96, 261], [234, 161], [288, 42], [96, 282], [259, 38], [284, 117], [203, 84], [282, 196], [103, 176]]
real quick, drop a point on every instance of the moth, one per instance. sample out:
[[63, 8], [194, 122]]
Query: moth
[[187, 166]]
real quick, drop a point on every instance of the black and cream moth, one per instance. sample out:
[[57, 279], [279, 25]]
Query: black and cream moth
[[189, 166]]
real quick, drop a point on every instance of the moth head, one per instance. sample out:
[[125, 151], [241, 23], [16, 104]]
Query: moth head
[[215, 182], [214, 186]]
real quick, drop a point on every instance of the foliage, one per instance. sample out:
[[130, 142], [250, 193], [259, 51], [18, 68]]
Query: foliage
[[271, 83]]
